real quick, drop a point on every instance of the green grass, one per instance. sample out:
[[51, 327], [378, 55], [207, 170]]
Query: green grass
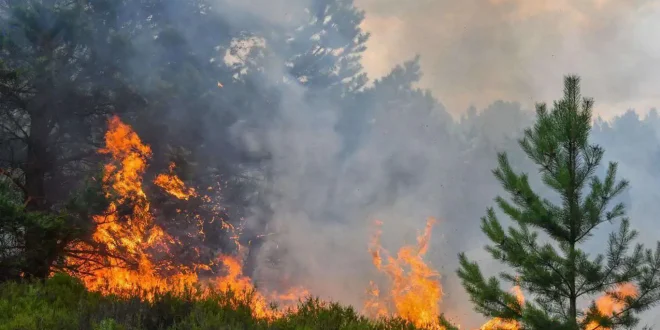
[[62, 302]]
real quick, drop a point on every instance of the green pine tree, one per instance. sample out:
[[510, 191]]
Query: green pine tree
[[558, 276]]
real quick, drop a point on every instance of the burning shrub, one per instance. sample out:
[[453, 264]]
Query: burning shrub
[[62, 302]]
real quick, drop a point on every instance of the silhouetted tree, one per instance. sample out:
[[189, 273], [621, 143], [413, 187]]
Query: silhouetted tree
[[60, 75]]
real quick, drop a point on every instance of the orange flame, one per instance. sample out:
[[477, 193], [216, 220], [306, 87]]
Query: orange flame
[[173, 185], [606, 305], [502, 324], [609, 306], [414, 295], [133, 239], [129, 240], [127, 237]]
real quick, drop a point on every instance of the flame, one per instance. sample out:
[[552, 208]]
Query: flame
[[415, 292], [609, 306], [173, 185], [129, 252], [606, 305], [502, 324], [129, 240], [127, 237]]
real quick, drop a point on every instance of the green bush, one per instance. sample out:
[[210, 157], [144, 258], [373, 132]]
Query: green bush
[[62, 302]]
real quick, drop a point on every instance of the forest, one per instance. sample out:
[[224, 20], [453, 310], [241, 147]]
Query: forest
[[203, 164]]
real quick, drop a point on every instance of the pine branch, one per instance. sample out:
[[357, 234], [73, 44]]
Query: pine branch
[[16, 182], [601, 195], [535, 212], [618, 246], [487, 295]]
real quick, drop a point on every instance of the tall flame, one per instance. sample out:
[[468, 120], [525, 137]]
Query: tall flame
[[132, 239], [415, 292], [122, 256], [128, 234]]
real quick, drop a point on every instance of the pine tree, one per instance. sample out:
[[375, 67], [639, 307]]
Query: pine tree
[[61, 73], [556, 273]]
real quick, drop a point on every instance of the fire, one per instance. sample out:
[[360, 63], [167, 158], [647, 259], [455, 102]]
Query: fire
[[501, 324], [122, 256], [606, 305], [129, 239], [609, 306], [415, 292], [173, 185]]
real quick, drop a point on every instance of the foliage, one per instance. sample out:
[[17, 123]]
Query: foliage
[[62, 302], [65, 66], [16, 222], [555, 270], [54, 230], [59, 81]]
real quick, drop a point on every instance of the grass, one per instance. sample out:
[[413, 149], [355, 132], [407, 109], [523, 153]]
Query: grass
[[63, 303]]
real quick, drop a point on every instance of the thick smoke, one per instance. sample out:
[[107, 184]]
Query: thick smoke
[[402, 157]]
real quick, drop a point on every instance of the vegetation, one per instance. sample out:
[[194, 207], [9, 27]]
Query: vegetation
[[66, 66], [554, 268], [204, 83], [62, 302]]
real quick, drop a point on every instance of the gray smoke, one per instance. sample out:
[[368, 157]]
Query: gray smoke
[[411, 160], [475, 51]]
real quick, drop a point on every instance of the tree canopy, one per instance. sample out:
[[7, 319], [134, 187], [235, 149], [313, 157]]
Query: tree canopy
[[554, 268]]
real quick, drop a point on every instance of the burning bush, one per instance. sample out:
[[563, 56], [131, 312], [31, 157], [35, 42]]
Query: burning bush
[[63, 302]]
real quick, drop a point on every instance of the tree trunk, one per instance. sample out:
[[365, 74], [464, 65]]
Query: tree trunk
[[40, 247]]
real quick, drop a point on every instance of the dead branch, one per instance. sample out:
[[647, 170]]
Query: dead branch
[[18, 183]]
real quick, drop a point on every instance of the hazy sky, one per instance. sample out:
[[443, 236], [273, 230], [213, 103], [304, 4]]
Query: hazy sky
[[476, 51]]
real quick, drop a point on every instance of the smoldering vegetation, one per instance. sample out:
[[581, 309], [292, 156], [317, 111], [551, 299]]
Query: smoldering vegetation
[[267, 102]]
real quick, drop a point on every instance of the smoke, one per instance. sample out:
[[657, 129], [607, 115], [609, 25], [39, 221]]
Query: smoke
[[323, 205], [408, 159], [477, 51], [412, 161]]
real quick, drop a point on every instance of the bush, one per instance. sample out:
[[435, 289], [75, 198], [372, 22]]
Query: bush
[[63, 303]]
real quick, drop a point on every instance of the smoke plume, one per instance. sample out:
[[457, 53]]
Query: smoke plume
[[476, 51], [332, 165]]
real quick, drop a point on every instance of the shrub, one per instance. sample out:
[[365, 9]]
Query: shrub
[[63, 303]]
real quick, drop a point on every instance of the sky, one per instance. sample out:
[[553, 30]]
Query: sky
[[476, 51]]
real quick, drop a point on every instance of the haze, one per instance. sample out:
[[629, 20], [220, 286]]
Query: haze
[[474, 51]]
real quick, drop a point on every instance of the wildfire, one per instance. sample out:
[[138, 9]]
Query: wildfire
[[416, 292], [126, 234], [501, 324], [130, 253], [132, 239], [608, 306], [173, 185]]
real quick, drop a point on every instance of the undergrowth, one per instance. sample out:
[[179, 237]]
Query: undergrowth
[[63, 303]]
